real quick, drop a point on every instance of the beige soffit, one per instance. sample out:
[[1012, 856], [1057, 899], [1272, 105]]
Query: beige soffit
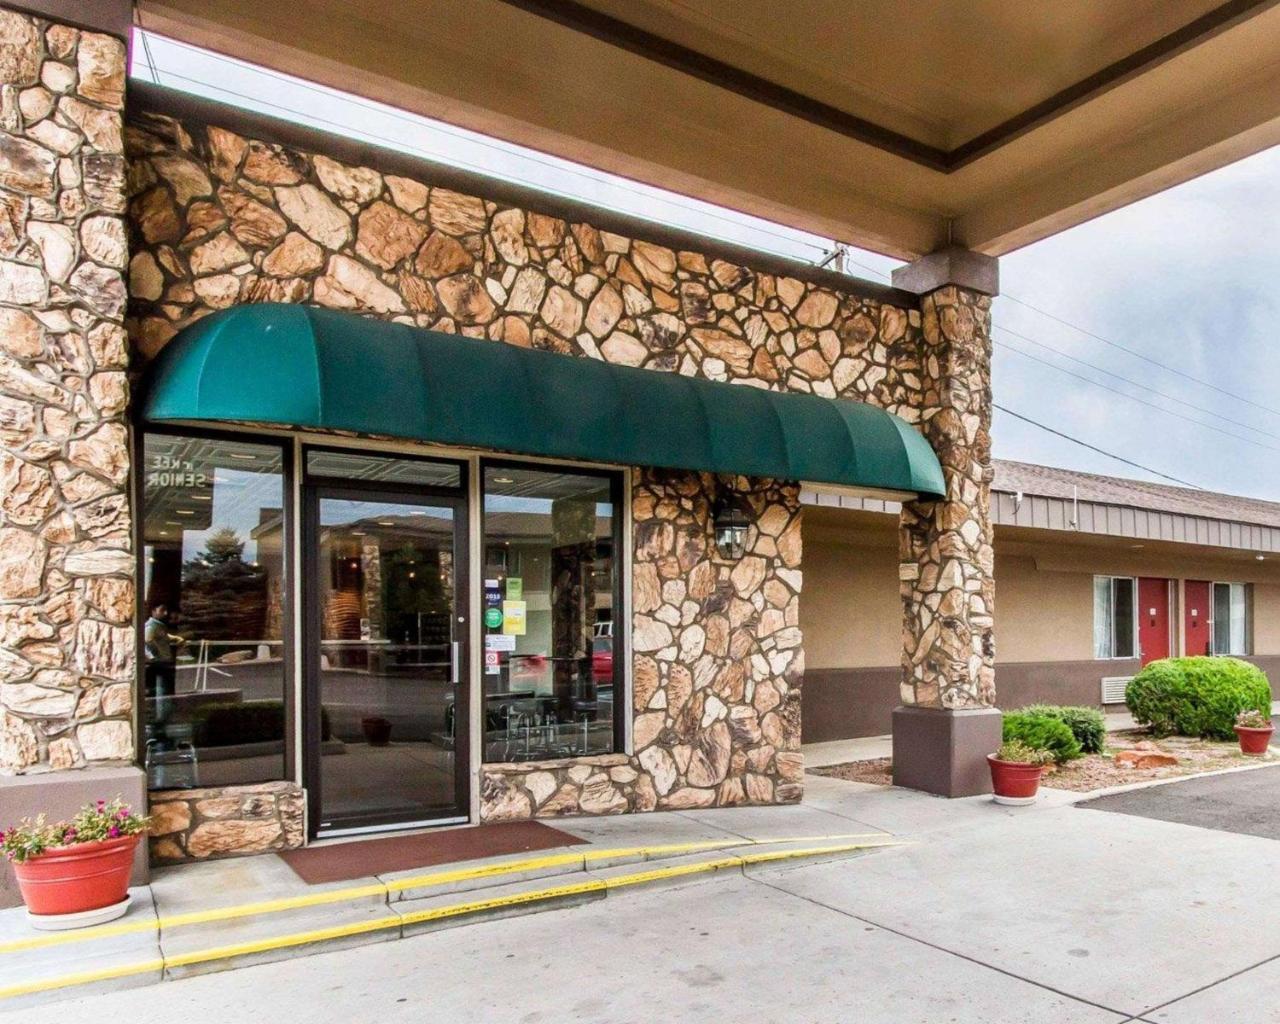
[[900, 125]]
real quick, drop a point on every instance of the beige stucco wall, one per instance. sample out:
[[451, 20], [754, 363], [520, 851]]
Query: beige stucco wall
[[1266, 618], [1043, 616], [851, 616]]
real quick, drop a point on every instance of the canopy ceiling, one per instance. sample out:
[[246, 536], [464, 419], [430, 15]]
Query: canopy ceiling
[[299, 366], [900, 125]]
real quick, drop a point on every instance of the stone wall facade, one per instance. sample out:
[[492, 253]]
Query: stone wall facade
[[204, 824], [217, 218], [66, 554]]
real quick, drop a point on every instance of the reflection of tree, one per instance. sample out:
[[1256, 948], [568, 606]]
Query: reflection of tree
[[414, 595], [223, 596]]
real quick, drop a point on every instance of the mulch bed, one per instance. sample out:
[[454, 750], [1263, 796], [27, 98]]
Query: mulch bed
[[1098, 771], [1093, 771]]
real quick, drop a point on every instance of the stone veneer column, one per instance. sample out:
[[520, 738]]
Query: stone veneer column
[[67, 637], [947, 722]]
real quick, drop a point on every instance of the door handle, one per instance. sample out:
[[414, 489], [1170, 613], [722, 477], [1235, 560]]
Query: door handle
[[455, 661]]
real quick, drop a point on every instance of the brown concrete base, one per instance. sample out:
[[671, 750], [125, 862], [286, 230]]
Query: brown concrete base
[[944, 752], [59, 795]]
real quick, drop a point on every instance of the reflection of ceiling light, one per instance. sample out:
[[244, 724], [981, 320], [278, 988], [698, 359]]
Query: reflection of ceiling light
[[1260, 558], [412, 575], [503, 480], [1137, 547], [184, 511], [170, 522], [243, 457], [386, 522], [202, 497], [357, 533]]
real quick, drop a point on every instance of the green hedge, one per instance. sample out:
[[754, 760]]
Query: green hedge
[[1086, 724], [258, 721], [1198, 696], [1040, 732]]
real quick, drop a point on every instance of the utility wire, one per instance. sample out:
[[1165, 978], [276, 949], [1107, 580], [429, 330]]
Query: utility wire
[[1145, 387], [1138, 355], [1133, 383], [1134, 398], [1094, 448]]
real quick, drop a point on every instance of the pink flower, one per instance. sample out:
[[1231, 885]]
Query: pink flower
[[113, 832]]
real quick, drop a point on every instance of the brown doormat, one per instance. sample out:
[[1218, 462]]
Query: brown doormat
[[342, 862]]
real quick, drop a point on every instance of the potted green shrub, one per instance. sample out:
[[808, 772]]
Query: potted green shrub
[[75, 873], [1015, 772], [1254, 730]]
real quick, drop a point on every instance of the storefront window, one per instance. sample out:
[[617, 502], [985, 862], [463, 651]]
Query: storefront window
[[214, 599], [551, 662]]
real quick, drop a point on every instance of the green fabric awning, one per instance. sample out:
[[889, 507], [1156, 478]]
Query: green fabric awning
[[300, 366]]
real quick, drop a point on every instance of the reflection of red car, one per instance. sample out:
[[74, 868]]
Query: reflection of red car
[[602, 660]]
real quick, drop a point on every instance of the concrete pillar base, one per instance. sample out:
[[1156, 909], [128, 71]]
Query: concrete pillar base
[[942, 751], [59, 795]]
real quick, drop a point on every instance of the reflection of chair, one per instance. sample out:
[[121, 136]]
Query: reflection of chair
[[176, 766], [584, 713]]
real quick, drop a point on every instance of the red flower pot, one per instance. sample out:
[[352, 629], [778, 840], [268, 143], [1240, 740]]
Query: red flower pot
[[76, 878], [1014, 782], [1254, 742]]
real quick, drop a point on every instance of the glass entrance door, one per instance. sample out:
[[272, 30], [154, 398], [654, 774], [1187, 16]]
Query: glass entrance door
[[387, 708]]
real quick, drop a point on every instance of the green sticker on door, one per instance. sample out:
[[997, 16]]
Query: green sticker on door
[[493, 617]]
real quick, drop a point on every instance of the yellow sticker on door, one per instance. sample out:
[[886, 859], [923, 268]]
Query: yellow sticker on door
[[513, 618]]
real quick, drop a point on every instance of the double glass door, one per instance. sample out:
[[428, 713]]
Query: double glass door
[[386, 682]]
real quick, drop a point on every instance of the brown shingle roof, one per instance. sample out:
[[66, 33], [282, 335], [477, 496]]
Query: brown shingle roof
[[1050, 482]]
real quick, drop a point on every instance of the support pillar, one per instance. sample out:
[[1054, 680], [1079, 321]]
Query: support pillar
[[67, 626], [947, 722]]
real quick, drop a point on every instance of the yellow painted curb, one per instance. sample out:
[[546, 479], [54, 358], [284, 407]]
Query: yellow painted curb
[[434, 914], [387, 889]]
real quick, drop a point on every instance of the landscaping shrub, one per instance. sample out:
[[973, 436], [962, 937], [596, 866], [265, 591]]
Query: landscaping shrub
[[259, 721], [1086, 724], [1040, 732], [1198, 696], [1017, 752]]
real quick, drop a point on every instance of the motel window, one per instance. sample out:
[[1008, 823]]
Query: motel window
[[1231, 618], [552, 664], [213, 609], [1114, 621]]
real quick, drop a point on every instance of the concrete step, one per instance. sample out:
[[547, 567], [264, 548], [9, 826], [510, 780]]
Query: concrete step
[[202, 918]]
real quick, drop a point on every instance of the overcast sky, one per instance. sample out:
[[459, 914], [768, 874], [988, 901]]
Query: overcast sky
[[1188, 278]]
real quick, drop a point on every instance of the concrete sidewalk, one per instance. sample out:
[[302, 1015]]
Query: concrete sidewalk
[[993, 915]]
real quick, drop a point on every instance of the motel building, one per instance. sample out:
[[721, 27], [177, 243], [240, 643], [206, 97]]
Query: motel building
[[347, 492]]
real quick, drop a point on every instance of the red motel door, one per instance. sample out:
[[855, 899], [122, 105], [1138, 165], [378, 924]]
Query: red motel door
[[1197, 616], [1153, 618]]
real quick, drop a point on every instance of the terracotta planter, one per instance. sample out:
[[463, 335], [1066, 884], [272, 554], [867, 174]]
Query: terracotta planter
[[74, 879], [1013, 782], [377, 731], [1254, 742]]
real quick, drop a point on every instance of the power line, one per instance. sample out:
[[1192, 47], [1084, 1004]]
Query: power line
[[1138, 355], [1094, 448], [1133, 383], [1135, 398], [1145, 387]]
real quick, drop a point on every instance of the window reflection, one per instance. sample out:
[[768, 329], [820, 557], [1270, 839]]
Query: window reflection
[[213, 594], [548, 598]]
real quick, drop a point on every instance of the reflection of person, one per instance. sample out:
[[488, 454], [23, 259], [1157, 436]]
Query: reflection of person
[[162, 669]]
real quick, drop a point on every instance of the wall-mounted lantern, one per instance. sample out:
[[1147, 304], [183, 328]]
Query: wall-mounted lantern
[[732, 520]]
